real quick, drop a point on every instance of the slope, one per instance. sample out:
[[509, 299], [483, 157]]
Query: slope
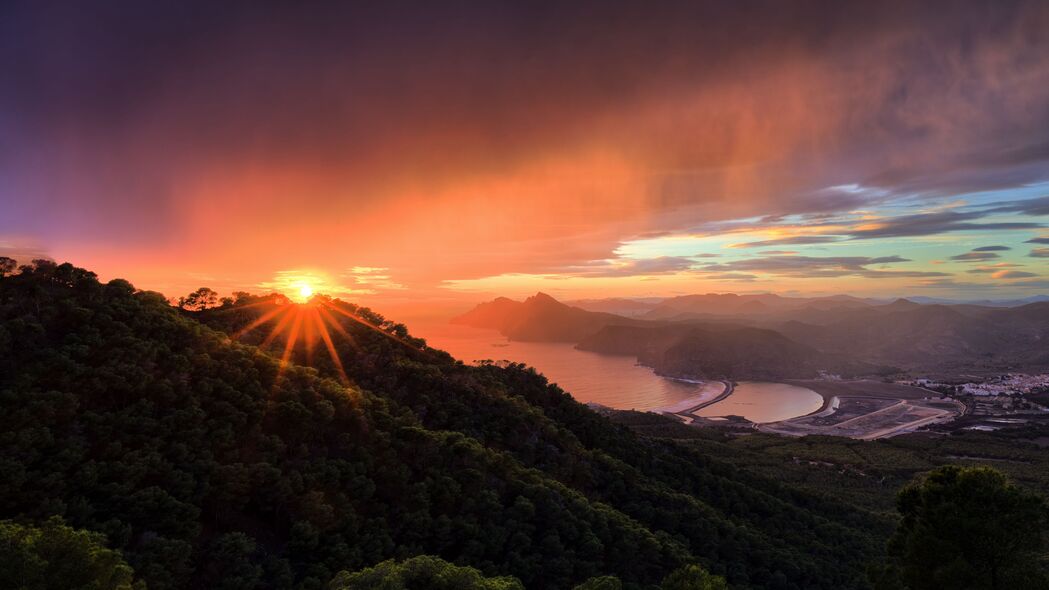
[[207, 461]]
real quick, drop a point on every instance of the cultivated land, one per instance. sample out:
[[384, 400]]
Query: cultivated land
[[868, 410]]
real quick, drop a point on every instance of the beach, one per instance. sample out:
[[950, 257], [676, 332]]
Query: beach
[[711, 392]]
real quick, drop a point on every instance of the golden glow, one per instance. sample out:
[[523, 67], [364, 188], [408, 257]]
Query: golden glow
[[310, 322], [301, 284]]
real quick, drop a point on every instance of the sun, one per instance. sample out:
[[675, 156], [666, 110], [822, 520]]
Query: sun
[[302, 285]]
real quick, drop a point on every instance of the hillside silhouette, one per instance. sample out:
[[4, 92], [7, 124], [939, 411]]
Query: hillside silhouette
[[203, 459]]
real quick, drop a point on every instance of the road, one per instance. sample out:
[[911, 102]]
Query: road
[[690, 413]]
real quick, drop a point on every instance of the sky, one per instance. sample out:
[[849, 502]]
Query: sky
[[416, 152]]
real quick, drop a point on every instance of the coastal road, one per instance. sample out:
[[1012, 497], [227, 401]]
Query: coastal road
[[689, 413]]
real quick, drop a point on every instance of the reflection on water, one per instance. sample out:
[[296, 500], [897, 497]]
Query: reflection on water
[[613, 381], [616, 381], [765, 402]]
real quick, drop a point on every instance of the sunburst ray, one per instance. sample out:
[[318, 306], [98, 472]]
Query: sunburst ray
[[283, 323], [372, 327], [269, 315], [330, 320], [326, 337], [289, 344]]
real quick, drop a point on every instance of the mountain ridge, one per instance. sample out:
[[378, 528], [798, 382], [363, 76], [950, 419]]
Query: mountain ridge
[[849, 334], [206, 458]]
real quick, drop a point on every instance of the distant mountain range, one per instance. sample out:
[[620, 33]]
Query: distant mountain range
[[711, 304], [540, 318], [770, 336], [199, 447], [719, 352]]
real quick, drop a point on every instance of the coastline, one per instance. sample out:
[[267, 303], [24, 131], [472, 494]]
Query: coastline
[[687, 408], [867, 410]]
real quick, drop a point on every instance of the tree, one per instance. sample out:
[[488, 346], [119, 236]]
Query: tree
[[7, 266], [693, 577], [423, 571], [199, 300], [968, 528], [230, 564], [56, 557], [601, 583]]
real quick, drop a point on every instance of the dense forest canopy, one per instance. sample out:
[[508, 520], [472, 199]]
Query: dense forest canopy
[[213, 450]]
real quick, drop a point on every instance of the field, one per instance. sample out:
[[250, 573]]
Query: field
[[867, 410], [862, 388], [866, 473]]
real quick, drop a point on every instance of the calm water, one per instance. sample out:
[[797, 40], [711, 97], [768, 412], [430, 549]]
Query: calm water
[[616, 381], [765, 402]]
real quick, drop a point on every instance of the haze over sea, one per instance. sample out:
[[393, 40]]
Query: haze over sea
[[618, 381]]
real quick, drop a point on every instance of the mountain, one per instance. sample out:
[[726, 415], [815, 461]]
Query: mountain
[[719, 352], [712, 304], [617, 305], [934, 337], [839, 334], [764, 306], [540, 318], [202, 448], [983, 302]]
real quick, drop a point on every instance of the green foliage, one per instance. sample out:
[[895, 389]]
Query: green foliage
[[601, 583], [969, 528], [209, 464], [693, 577], [231, 562], [200, 300], [56, 557], [419, 573]]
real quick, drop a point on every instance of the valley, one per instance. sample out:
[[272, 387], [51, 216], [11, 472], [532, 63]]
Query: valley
[[678, 295], [714, 339]]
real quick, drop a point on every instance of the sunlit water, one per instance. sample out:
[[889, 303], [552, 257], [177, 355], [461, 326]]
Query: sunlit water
[[617, 381], [765, 402]]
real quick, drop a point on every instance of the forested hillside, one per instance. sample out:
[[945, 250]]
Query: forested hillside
[[211, 463]]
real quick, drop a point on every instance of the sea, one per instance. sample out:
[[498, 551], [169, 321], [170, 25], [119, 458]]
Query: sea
[[618, 381]]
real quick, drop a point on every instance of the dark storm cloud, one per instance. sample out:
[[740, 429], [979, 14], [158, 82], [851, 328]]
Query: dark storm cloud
[[1039, 253], [731, 276], [1037, 206], [961, 285], [819, 267], [974, 218], [1013, 274], [632, 267], [926, 224], [275, 79], [986, 270], [792, 241], [975, 256], [168, 124]]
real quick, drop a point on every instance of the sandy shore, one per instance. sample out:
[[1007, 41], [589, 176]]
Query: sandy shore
[[712, 392]]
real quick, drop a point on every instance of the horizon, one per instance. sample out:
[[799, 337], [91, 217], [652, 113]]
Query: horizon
[[590, 295], [445, 156], [304, 293]]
